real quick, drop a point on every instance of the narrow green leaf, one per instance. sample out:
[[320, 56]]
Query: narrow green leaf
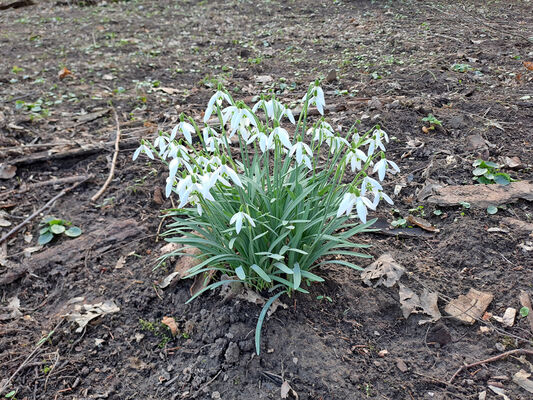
[[283, 268], [297, 279], [261, 273], [240, 273], [261, 319]]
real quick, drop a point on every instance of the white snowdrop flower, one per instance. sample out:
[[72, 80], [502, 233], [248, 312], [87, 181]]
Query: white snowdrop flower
[[144, 149], [361, 204], [376, 141], [383, 165], [206, 182], [321, 132], [299, 149], [224, 169], [274, 110], [185, 128], [184, 188], [370, 185], [336, 142], [355, 157], [162, 142], [238, 219], [216, 99], [234, 114], [282, 135], [264, 141], [317, 98]]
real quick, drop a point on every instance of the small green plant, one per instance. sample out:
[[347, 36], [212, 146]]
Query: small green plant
[[159, 330], [461, 68], [36, 109], [399, 223], [432, 121], [11, 395], [487, 172], [524, 312], [51, 226], [492, 210], [321, 297], [437, 213], [17, 70]]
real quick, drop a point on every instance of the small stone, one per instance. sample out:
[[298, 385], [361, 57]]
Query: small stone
[[400, 364], [500, 347], [232, 353], [383, 353], [331, 76], [215, 396], [484, 329], [295, 360]]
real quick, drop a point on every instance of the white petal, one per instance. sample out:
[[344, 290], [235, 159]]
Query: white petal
[[173, 167], [148, 152], [168, 188], [250, 220], [137, 152], [238, 225], [234, 218], [361, 210]]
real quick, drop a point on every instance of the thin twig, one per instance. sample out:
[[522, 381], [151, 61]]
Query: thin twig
[[40, 210], [491, 359], [37, 347], [113, 162]]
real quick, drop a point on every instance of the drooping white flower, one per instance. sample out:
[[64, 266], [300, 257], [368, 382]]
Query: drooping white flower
[[376, 141], [264, 142], [336, 142], [144, 149], [185, 128], [354, 158], [162, 142], [225, 170], [238, 218], [299, 149], [282, 135], [234, 114], [321, 132], [383, 165], [216, 99], [317, 98], [361, 204], [274, 110]]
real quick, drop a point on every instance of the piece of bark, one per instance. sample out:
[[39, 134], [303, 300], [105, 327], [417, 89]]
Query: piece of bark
[[482, 196], [383, 227], [525, 301], [73, 250], [470, 307], [422, 223], [517, 225]]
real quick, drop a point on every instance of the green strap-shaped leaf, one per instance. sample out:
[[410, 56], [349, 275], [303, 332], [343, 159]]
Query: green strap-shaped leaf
[[261, 319]]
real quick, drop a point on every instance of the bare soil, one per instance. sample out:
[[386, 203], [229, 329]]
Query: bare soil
[[395, 62]]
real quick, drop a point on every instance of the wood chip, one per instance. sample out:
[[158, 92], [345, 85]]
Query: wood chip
[[422, 223], [468, 308], [521, 379], [509, 316]]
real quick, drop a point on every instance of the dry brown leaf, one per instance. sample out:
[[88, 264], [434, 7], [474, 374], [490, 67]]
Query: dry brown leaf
[[422, 223], [13, 308], [168, 90], [521, 379], [171, 323], [385, 270], [84, 313], [185, 263], [412, 303], [120, 262], [7, 171], [470, 307], [528, 65], [201, 281], [287, 390], [64, 73]]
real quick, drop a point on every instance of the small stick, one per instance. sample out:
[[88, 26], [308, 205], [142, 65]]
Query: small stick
[[40, 210], [113, 162], [491, 359]]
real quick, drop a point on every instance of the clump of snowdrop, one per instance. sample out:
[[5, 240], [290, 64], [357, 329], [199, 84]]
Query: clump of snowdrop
[[256, 198]]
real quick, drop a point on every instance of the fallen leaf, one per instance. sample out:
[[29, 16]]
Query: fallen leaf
[[517, 225], [201, 281], [385, 270], [512, 162], [84, 313], [287, 390], [64, 73], [171, 323], [169, 279], [482, 196], [168, 90], [7, 171], [186, 262], [120, 262], [412, 303], [29, 250], [499, 391], [263, 79], [521, 379], [108, 77], [509, 316], [528, 65], [13, 309], [422, 223], [470, 307], [4, 223]]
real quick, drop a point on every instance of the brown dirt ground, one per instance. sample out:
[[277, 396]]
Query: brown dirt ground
[[396, 62]]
